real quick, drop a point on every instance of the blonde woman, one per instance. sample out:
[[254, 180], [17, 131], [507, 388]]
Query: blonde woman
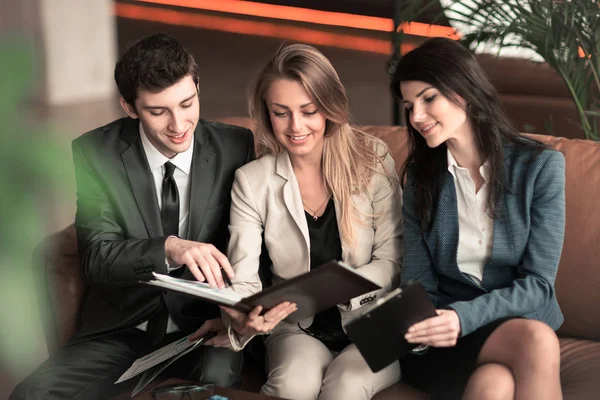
[[320, 190]]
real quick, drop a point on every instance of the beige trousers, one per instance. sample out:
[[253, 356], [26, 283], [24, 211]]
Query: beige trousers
[[301, 367]]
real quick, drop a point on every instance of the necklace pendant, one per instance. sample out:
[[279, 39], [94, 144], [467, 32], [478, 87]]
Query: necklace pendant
[[315, 217]]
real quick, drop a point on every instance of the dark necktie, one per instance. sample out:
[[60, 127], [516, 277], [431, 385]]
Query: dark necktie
[[157, 326], [170, 202]]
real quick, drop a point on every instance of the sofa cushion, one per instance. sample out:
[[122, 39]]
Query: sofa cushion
[[579, 368]]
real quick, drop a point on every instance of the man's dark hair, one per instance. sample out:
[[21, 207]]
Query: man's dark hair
[[153, 63]]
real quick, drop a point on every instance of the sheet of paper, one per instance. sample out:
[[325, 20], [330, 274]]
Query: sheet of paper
[[148, 361], [151, 373], [200, 289]]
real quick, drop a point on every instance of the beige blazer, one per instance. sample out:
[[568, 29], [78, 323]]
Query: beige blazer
[[266, 197]]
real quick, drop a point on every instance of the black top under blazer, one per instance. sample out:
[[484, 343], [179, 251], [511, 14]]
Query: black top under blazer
[[518, 279]]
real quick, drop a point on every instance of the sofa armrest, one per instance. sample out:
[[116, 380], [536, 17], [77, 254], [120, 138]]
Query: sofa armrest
[[61, 289]]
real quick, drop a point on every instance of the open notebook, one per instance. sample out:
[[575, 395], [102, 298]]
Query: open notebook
[[321, 288]]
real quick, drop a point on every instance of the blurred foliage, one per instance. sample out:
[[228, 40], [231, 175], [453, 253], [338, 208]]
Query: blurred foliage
[[565, 33], [32, 171]]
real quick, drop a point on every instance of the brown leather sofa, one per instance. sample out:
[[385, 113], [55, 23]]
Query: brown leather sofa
[[577, 284], [533, 95]]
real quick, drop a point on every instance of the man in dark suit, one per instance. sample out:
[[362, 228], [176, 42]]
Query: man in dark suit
[[153, 195]]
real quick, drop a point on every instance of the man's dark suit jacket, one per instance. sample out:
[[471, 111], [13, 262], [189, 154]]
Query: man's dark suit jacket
[[119, 229]]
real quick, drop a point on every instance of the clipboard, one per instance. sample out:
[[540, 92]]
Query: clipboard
[[378, 332]]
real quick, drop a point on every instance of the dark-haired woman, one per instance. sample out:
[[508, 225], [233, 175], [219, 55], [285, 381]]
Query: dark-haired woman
[[484, 214]]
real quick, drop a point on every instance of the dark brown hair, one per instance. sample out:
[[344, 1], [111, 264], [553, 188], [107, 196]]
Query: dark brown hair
[[453, 70], [154, 63]]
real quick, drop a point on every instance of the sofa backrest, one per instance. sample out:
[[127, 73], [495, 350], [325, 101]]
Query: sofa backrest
[[578, 280]]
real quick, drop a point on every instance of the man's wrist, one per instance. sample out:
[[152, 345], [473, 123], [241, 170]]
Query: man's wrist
[[171, 266], [167, 241]]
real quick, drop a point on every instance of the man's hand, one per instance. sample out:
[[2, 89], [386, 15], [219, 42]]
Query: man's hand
[[254, 323], [440, 331], [202, 259], [212, 325]]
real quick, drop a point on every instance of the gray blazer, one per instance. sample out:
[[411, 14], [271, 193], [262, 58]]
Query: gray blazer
[[518, 279], [266, 198]]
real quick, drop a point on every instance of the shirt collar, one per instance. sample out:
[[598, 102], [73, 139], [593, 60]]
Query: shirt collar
[[453, 166], [156, 159]]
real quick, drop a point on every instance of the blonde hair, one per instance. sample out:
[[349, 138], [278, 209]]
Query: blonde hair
[[350, 156]]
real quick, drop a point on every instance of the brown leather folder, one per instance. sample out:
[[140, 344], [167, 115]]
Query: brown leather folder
[[321, 288], [379, 330]]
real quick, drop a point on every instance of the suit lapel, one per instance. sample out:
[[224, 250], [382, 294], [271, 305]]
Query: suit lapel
[[140, 178], [442, 240], [503, 239], [201, 182], [291, 194]]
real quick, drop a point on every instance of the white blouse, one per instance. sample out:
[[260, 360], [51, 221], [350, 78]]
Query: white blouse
[[475, 227]]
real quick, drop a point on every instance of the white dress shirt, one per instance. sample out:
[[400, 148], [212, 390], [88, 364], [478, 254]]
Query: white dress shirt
[[183, 162], [475, 227]]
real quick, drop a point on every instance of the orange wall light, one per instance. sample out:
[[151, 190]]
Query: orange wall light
[[256, 28], [298, 14]]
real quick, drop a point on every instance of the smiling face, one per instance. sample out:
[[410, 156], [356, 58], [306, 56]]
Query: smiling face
[[169, 117], [433, 115], [297, 123]]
